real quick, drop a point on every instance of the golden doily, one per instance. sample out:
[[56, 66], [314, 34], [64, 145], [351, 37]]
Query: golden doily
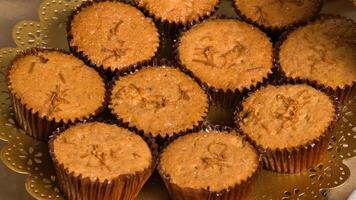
[[28, 156]]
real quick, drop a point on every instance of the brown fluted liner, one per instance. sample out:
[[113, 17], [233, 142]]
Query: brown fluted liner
[[159, 138], [225, 98], [239, 191], [34, 125], [342, 93], [123, 187], [274, 32], [299, 158], [172, 29], [110, 71]]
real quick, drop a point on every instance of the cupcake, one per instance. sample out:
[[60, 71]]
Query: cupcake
[[159, 101], [173, 14], [50, 88], [112, 36], [229, 56], [323, 54], [277, 15], [289, 124], [209, 165], [98, 161]]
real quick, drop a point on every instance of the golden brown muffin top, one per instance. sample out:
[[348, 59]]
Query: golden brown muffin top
[[286, 116], [324, 51], [178, 11], [56, 85], [226, 54], [159, 100], [278, 13], [103, 151], [215, 160], [114, 35]]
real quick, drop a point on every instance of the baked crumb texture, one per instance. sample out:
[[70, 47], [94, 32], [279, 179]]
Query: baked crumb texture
[[226, 54], [323, 53], [50, 88], [290, 124], [110, 161], [179, 11], [277, 15], [113, 36], [209, 164], [229, 56], [160, 101]]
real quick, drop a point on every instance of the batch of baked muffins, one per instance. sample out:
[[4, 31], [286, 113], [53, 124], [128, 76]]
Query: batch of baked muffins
[[114, 111]]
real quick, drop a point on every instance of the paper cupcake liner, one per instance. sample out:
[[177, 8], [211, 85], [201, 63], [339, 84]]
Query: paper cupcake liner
[[226, 99], [296, 160], [240, 191], [273, 31], [301, 157], [123, 187], [342, 93], [172, 29], [32, 124], [36, 126], [110, 71], [160, 139]]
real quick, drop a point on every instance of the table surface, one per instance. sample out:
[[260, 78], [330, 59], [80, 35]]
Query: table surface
[[12, 11], [12, 184]]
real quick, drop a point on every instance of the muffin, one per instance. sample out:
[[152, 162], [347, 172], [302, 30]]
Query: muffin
[[98, 161], [50, 88], [322, 53], [159, 101], [290, 124], [209, 165], [112, 36], [229, 56], [178, 13], [277, 15]]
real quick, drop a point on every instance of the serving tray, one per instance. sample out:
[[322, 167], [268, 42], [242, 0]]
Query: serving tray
[[26, 155]]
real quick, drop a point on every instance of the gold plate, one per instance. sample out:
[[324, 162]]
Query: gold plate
[[25, 155]]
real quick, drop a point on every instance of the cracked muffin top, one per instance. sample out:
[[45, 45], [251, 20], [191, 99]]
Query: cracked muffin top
[[103, 151], [226, 54], [211, 160], [324, 51], [159, 100], [57, 85], [278, 13], [114, 35], [286, 116]]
